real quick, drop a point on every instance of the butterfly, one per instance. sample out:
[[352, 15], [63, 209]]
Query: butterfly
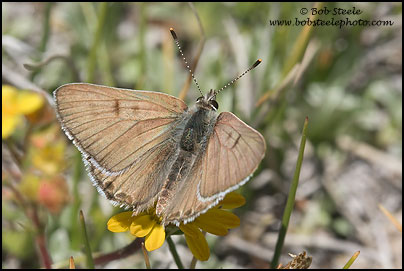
[[145, 149]]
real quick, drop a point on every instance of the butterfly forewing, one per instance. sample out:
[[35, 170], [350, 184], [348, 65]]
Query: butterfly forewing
[[127, 138], [115, 127]]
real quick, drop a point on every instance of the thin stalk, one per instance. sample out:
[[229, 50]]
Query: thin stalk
[[174, 252], [193, 263], [92, 58], [146, 257], [351, 260], [40, 239], [120, 253], [45, 34], [46, 27], [297, 51], [187, 84], [301, 42], [31, 212], [393, 220], [90, 262], [67, 60], [142, 46], [75, 227], [291, 199], [72, 265]]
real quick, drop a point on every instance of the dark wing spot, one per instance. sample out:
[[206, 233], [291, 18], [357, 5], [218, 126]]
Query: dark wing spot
[[116, 108]]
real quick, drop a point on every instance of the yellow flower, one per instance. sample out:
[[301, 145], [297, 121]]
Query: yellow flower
[[143, 225], [15, 104], [50, 158], [215, 221]]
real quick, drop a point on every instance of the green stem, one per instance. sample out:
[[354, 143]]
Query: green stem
[[75, 235], [67, 60], [90, 262], [142, 46], [46, 27], [45, 34], [40, 238], [174, 252], [301, 42], [92, 59], [291, 199], [106, 65], [351, 260]]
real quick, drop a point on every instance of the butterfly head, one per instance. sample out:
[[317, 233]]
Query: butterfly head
[[208, 101]]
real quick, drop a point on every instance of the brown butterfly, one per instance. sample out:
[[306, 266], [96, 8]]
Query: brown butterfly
[[145, 149]]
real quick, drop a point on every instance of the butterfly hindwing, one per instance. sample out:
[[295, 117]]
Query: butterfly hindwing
[[139, 186], [233, 153]]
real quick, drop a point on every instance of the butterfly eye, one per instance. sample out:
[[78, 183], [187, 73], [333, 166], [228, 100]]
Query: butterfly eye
[[199, 98], [215, 104]]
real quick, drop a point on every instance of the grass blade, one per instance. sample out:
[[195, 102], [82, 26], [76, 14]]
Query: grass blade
[[291, 199], [351, 260], [92, 58], [90, 262]]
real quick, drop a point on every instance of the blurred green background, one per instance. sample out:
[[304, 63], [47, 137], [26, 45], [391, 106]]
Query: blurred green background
[[347, 80]]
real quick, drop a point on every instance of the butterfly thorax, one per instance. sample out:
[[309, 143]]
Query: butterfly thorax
[[199, 125], [195, 131]]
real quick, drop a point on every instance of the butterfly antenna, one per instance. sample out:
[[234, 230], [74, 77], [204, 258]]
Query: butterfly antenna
[[183, 57], [241, 75]]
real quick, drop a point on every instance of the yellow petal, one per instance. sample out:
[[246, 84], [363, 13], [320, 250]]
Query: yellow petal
[[8, 98], [8, 125], [232, 200], [156, 237], [227, 219], [8, 91], [15, 103], [120, 222], [142, 225], [211, 226], [196, 241], [28, 102], [189, 229]]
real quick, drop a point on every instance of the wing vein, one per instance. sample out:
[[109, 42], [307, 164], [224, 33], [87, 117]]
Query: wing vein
[[144, 145], [114, 141]]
